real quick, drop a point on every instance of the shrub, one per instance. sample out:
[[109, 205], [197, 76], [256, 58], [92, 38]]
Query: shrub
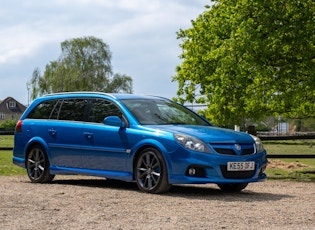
[[8, 124]]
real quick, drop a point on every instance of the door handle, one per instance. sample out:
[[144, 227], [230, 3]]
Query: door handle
[[52, 131], [88, 135]]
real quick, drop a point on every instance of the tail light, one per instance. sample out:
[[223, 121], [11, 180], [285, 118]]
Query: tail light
[[18, 127]]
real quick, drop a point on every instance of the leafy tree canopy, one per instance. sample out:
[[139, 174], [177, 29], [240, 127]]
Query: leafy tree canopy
[[84, 65], [246, 59]]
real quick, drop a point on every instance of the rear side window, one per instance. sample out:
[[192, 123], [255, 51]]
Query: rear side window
[[43, 110], [76, 109], [101, 108], [73, 109]]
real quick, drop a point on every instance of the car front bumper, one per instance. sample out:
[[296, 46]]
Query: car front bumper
[[188, 167]]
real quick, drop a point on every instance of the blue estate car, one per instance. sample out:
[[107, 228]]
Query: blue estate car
[[147, 139]]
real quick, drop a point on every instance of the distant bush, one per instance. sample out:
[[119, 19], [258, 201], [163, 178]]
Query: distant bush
[[8, 124]]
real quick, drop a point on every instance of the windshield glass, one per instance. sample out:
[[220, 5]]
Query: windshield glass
[[162, 112]]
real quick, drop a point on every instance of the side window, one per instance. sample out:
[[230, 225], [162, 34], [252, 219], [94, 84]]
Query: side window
[[43, 110], [73, 109], [54, 114], [102, 108]]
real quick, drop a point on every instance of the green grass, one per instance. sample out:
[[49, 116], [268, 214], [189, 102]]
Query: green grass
[[290, 147], [296, 175], [6, 140], [304, 173], [295, 147], [7, 168]]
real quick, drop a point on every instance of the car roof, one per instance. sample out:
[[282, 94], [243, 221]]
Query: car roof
[[118, 96]]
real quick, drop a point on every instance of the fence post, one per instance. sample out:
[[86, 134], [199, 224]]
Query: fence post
[[252, 130]]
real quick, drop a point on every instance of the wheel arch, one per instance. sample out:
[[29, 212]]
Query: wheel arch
[[156, 145], [36, 141]]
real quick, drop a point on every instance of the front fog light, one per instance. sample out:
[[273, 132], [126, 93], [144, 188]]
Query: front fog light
[[191, 171], [196, 171]]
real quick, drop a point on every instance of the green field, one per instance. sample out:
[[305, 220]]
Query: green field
[[7, 168], [296, 169], [291, 168], [6, 140], [290, 147]]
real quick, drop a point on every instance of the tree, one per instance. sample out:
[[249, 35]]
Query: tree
[[120, 83], [246, 59], [84, 65]]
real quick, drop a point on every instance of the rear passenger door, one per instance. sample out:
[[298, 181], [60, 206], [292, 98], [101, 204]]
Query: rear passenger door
[[65, 132], [104, 146]]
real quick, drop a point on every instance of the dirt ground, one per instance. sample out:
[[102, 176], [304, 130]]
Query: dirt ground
[[78, 202], [285, 165]]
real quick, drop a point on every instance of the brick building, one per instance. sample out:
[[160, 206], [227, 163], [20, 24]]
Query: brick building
[[11, 109]]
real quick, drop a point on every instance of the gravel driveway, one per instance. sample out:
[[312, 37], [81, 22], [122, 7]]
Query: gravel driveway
[[74, 202]]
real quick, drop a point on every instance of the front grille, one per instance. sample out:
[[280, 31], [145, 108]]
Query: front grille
[[225, 151], [236, 174], [248, 151], [230, 149]]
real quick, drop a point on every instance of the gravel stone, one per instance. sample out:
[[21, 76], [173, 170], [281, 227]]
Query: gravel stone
[[78, 202]]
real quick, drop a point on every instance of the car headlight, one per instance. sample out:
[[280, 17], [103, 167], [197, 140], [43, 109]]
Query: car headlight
[[258, 143], [192, 143]]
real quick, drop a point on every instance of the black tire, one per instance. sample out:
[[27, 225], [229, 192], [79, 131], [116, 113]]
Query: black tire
[[151, 172], [37, 165], [237, 187]]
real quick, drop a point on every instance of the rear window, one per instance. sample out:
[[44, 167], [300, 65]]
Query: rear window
[[64, 109], [75, 109], [43, 110]]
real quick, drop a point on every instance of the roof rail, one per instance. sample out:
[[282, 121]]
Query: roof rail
[[81, 92]]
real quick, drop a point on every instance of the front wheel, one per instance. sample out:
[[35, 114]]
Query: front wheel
[[236, 187], [151, 172], [37, 165]]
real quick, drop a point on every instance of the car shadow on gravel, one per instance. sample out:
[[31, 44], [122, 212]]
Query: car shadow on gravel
[[98, 183], [204, 192], [200, 192]]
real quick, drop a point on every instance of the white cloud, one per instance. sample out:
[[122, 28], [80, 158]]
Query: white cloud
[[141, 35]]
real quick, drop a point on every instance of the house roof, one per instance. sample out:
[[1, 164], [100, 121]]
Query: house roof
[[10, 105]]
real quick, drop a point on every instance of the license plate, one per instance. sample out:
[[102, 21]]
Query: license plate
[[241, 166]]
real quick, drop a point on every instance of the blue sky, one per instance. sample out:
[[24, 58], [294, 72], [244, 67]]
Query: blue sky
[[141, 35]]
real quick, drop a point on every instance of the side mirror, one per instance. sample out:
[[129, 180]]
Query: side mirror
[[114, 121]]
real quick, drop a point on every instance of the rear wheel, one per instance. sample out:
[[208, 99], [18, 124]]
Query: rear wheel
[[151, 172], [236, 187], [37, 165]]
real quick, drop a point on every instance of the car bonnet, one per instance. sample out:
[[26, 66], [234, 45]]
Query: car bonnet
[[209, 134]]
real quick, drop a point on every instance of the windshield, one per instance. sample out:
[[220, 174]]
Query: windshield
[[162, 112]]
